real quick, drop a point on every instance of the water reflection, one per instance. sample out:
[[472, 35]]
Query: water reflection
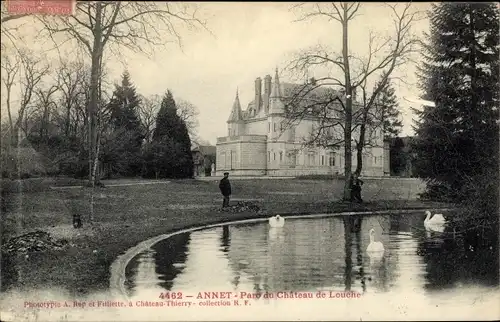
[[225, 239], [311, 254], [159, 266]]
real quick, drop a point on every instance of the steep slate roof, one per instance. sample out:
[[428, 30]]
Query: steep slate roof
[[276, 104], [236, 113], [289, 90]]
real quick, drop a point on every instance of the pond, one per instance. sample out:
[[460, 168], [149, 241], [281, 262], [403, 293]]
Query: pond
[[421, 275]]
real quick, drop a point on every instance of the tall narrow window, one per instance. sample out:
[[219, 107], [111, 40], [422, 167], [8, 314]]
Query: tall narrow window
[[281, 156], [274, 125], [268, 127], [322, 160], [268, 156], [332, 159]]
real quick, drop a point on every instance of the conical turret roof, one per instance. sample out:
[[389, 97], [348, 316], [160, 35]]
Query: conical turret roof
[[276, 105], [236, 113]]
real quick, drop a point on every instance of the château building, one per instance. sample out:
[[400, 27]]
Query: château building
[[261, 141]]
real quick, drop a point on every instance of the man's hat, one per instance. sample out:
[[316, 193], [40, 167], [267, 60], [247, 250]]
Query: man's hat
[[226, 173]]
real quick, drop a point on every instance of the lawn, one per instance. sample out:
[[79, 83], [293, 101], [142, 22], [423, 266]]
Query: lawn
[[127, 215]]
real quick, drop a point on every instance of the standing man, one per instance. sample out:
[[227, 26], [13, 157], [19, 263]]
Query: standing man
[[225, 189]]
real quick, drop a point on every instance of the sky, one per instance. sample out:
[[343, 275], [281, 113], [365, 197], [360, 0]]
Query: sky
[[248, 40]]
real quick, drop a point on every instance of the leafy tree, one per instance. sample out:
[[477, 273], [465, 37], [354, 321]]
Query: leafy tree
[[457, 140], [169, 154], [124, 105], [388, 110], [122, 147], [167, 121]]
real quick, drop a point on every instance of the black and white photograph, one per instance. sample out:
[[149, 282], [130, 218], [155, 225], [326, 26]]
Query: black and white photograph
[[249, 161]]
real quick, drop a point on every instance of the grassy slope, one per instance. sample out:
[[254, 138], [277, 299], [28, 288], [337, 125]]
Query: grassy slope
[[125, 216]]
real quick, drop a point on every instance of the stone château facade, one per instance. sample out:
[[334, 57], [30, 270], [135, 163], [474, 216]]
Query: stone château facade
[[260, 142]]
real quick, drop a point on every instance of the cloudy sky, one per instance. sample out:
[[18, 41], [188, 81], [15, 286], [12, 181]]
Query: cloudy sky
[[249, 40]]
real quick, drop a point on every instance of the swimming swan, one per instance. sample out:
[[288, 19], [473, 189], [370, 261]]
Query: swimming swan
[[435, 223], [277, 221], [373, 246]]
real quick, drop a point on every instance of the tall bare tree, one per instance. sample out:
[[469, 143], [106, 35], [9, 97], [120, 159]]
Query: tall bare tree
[[47, 105], [382, 61], [33, 70], [340, 108], [135, 25], [10, 69], [73, 78], [148, 109], [188, 112]]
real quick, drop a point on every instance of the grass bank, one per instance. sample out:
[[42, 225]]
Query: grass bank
[[127, 215]]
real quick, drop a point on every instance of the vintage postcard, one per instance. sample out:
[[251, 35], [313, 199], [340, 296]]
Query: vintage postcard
[[249, 161]]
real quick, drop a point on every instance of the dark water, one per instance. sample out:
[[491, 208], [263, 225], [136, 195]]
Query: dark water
[[318, 253]]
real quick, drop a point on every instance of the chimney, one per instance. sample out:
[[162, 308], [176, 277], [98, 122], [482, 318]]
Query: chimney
[[312, 81], [258, 91], [267, 90]]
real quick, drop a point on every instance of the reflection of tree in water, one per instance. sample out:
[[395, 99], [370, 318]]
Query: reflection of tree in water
[[225, 239], [225, 246], [452, 262], [304, 254], [246, 252], [349, 229], [359, 254], [365, 269], [171, 251]]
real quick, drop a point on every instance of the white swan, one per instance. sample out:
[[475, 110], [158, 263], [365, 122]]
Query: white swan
[[277, 221], [436, 223], [436, 219], [374, 248]]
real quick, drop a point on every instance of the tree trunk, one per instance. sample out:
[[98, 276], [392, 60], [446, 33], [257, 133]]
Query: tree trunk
[[9, 112], [68, 119], [43, 123], [94, 90], [361, 144], [348, 108], [359, 158]]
